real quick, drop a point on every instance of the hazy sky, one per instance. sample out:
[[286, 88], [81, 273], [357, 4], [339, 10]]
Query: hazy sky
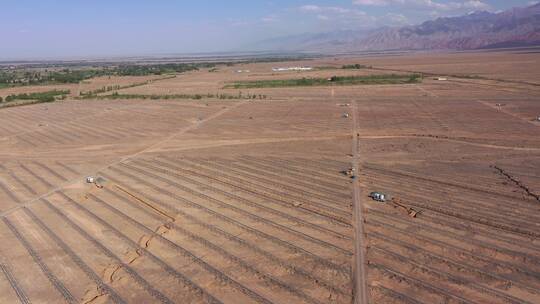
[[60, 28]]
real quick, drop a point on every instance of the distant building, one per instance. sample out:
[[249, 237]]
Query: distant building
[[292, 69]]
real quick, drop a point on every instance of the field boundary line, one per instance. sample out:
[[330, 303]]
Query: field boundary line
[[489, 146]]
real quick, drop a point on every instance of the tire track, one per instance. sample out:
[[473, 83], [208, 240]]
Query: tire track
[[64, 292], [37, 177], [21, 294], [18, 180], [102, 287], [132, 273]]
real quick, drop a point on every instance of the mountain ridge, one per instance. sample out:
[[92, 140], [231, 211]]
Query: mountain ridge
[[478, 30]]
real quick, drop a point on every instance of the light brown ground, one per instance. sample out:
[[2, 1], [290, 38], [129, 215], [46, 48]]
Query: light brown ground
[[241, 202], [85, 86]]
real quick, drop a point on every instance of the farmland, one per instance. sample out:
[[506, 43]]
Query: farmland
[[244, 200], [334, 80]]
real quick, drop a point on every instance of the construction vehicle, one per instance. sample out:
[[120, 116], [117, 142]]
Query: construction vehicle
[[349, 172], [395, 202], [97, 181], [377, 196]]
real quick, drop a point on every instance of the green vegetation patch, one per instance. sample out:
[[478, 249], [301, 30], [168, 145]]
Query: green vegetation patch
[[335, 80], [181, 96], [48, 96], [355, 67], [158, 69], [24, 77]]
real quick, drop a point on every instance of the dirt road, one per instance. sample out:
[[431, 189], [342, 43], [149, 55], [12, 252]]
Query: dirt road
[[360, 287]]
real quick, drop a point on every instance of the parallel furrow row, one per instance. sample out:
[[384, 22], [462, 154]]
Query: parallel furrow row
[[249, 214], [516, 207], [280, 182], [68, 297], [330, 212], [258, 233], [419, 285], [461, 251], [463, 268], [21, 294], [51, 171], [222, 233], [436, 181], [229, 183], [294, 193], [36, 176], [477, 215], [224, 277], [295, 179], [444, 278], [76, 259], [134, 275], [18, 180]]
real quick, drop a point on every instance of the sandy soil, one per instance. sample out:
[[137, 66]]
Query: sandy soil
[[244, 201]]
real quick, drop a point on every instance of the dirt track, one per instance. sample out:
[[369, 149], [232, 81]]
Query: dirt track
[[229, 202]]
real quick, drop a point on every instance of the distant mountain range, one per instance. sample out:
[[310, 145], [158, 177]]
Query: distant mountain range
[[511, 28]]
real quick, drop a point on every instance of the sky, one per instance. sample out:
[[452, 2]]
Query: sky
[[39, 29]]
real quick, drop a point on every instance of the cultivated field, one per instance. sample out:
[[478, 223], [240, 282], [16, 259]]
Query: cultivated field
[[245, 201], [85, 86]]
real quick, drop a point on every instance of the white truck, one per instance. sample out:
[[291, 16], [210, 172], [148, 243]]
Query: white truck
[[377, 196]]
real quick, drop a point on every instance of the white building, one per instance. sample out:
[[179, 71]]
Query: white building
[[292, 69]]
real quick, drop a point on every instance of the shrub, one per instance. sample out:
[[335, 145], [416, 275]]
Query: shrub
[[48, 96], [355, 67]]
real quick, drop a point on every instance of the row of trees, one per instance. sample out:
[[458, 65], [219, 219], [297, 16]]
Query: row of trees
[[18, 77], [240, 95], [45, 77], [49, 96], [355, 67], [159, 69]]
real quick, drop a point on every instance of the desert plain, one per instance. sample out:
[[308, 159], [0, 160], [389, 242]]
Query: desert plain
[[254, 201]]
